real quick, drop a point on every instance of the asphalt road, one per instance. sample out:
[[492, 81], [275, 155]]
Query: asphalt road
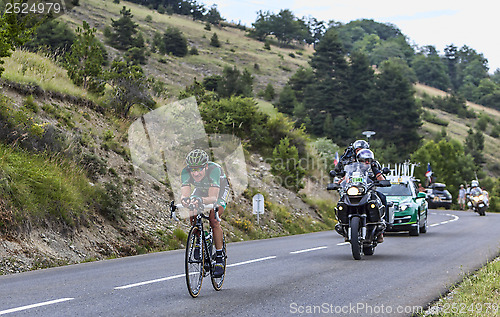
[[309, 275]]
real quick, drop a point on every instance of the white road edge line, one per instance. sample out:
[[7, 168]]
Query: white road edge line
[[307, 250], [182, 275], [151, 281], [13, 310], [455, 218], [343, 243], [252, 261]]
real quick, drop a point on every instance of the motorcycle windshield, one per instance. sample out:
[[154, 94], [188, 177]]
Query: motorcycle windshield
[[356, 173], [160, 140], [476, 192]]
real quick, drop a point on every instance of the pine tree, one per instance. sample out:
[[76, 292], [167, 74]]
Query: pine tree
[[214, 40], [174, 43], [361, 90], [287, 101], [395, 115], [124, 31], [84, 62], [474, 145], [329, 90], [269, 92]]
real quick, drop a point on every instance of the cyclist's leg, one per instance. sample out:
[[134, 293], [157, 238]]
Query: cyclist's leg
[[217, 229]]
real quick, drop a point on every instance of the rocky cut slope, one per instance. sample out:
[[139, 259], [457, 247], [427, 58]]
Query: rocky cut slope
[[141, 224]]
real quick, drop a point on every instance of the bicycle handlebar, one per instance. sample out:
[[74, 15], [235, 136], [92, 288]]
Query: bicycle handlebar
[[174, 207]]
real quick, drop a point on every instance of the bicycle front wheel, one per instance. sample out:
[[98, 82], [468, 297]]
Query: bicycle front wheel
[[218, 281], [194, 262]]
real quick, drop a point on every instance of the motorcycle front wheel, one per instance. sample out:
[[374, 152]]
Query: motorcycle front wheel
[[355, 238]]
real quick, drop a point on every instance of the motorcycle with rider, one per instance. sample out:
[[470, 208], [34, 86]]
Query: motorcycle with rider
[[361, 210], [477, 200]]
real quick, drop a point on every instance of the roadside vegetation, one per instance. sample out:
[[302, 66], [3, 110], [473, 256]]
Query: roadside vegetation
[[477, 295]]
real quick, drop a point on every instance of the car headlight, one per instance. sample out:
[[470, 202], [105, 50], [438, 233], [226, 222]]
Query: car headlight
[[353, 191], [404, 207]]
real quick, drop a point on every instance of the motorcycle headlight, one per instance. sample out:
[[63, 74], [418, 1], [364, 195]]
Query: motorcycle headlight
[[481, 197], [353, 191], [476, 198]]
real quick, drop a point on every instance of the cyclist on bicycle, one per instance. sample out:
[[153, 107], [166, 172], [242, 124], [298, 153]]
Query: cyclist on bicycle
[[204, 182]]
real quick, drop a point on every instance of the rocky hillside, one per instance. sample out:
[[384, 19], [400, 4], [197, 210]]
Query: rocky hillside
[[144, 224]]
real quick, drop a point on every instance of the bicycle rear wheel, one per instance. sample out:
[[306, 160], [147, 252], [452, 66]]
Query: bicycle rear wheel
[[218, 281], [194, 262]]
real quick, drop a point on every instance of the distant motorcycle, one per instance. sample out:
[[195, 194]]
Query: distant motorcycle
[[359, 212], [477, 201]]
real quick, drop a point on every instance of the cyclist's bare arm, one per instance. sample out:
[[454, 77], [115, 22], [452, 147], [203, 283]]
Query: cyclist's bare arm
[[213, 194]]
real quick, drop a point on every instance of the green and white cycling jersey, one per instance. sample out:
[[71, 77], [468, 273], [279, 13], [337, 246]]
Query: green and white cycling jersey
[[214, 177]]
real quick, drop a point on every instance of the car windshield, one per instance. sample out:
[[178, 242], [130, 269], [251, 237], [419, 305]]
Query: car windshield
[[396, 190]]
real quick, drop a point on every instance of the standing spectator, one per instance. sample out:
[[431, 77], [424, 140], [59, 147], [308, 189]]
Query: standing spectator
[[461, 197]]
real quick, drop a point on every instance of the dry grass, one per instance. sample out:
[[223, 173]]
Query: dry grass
[[30, 68], [274, 66], [458, 127]]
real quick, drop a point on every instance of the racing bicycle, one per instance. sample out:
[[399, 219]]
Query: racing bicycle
[[200, 250]]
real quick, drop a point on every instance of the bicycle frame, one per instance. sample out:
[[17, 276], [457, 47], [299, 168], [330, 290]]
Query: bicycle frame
[[206, 257]]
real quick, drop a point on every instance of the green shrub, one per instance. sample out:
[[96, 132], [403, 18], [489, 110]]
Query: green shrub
[[30, 104], [110, 201], [93, 165], [174, 43], [432, 118], [180, 235], [214, 40], [286, 165], [236, 115], [193, 51]]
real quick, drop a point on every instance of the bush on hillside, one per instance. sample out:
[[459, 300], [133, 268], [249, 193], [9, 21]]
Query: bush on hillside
[[286, 165], [173, 42]]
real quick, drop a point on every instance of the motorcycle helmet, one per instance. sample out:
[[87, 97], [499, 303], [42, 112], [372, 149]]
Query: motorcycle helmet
[[474, 183], [360, 144], [196, 158], [365, 156]]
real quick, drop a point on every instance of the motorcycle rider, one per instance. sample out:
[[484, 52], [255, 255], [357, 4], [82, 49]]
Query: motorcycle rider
[[367, 157], [474, 191], [349, 155]]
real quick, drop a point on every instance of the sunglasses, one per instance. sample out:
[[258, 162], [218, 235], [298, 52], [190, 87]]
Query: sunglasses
[[196, 169]]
